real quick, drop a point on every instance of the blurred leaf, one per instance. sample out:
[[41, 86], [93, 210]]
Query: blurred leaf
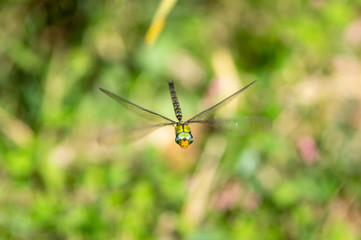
[[159, 19]]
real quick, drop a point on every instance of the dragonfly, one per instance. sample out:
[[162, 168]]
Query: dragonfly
[[183, 135]]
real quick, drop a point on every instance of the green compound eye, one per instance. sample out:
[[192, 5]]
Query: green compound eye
[[184, 139]]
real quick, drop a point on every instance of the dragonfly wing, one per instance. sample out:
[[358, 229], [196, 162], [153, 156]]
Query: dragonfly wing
[[126, 135], [241, 126], [218, 105], [143, 112]]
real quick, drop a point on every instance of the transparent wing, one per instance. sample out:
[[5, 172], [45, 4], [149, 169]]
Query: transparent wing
[[143, 112], [126, 135], [240, 126], [218, 105]]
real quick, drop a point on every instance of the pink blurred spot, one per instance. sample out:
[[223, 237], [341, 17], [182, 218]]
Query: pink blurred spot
[[233, 195], [229, 197], [353, 33], [212, 91], [307, 147]]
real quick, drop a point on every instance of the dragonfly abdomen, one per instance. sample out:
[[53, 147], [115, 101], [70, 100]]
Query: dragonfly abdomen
[[176, 106]]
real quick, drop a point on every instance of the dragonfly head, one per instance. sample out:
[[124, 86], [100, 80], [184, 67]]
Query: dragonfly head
[[184, 139]]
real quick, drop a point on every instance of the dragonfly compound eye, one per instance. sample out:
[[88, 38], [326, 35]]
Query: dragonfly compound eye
[[184, 139]]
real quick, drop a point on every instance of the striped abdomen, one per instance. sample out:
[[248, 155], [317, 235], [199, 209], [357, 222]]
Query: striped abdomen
[[176, 106]]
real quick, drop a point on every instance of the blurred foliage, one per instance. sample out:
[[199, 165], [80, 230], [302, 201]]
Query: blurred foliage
[[299, 180]]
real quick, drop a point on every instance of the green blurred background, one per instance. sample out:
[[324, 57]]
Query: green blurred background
[[298, 180]]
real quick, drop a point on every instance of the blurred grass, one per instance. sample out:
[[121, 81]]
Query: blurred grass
[[299, 180]]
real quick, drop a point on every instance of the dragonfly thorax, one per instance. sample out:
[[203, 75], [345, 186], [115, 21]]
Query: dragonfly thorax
[[183, 135]]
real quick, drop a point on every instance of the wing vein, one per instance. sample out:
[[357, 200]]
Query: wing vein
[[219, 104], [136, 108]]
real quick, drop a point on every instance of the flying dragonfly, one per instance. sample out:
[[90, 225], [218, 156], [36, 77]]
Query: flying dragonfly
[[182, 129]]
